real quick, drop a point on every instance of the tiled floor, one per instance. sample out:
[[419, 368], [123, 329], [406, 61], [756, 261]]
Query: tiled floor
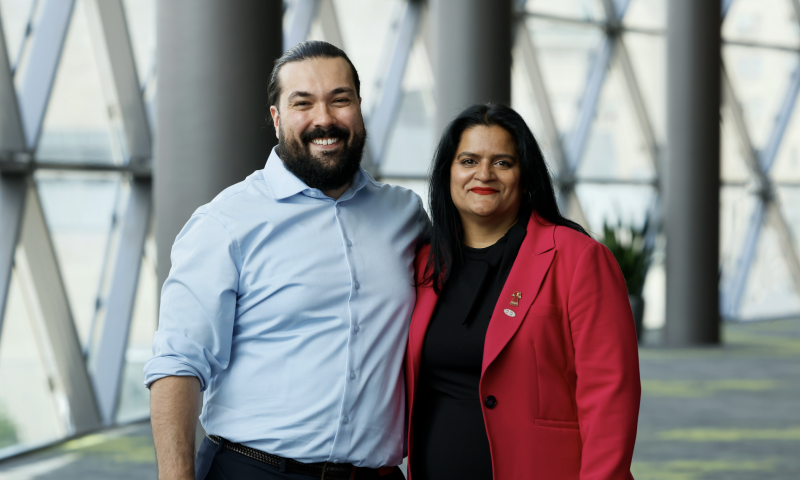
[[707, 413]]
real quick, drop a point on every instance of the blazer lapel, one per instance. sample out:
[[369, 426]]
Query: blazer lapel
[[420, 319], [526, 277]]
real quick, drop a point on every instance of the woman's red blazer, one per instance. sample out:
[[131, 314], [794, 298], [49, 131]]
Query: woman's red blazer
[[562, 368]]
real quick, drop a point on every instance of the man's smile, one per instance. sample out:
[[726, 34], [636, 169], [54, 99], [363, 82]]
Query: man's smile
[[325, 141]]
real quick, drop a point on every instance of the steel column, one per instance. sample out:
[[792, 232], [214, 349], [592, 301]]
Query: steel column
[[472, 42], [214, 61], [693, 168], [109, 359]]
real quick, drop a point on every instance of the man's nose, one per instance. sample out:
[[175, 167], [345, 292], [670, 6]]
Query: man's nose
[[322, 116]]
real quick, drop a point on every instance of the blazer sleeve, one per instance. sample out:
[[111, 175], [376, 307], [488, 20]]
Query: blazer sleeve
[[608, 388]]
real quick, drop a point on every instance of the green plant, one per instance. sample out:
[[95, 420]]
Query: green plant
[[8, 431], [632, 251]]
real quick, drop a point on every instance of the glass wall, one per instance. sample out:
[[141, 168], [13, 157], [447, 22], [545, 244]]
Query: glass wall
[[78, 298]]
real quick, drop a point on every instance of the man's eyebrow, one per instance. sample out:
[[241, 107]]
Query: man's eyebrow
[[337, 91], [298, 93]]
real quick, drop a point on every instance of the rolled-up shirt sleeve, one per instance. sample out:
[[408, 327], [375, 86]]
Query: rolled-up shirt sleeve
[[198, 304]]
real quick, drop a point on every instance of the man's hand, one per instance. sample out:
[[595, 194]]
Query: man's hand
[[174, 408]]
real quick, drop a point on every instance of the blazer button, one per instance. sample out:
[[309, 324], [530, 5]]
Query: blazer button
[[490, 401]]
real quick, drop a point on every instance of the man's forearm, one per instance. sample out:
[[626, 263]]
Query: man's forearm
[[174, 408]]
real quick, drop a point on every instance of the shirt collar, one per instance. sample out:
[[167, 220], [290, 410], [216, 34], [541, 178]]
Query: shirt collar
[[283, 183]]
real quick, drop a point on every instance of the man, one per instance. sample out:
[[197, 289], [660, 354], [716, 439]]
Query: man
[[288, 302]]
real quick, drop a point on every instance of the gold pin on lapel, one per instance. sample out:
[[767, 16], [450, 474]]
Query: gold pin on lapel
[[515, 299]]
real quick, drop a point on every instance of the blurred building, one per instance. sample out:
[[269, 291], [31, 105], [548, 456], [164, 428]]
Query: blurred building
[[78, 93]]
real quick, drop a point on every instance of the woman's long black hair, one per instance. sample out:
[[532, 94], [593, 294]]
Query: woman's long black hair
[[534, 180]]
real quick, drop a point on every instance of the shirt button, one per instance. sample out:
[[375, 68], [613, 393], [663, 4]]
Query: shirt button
[[313, 194], [349, 243], [345, 420], [358, 285], [352, 375], [335, 460], [356, 328]]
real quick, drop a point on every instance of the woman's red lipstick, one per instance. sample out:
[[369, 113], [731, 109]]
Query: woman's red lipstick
[[483, 190]]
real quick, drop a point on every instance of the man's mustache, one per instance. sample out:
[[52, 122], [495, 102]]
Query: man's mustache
[[333, 132]]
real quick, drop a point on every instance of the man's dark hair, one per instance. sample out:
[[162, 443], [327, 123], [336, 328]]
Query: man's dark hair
[[304, 51]]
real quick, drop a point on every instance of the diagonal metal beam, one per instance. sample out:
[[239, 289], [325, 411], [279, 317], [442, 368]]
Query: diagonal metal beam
[[304, 13], [47, 301], [13, 191], [767, 157], [640, 108], [40, 66], [114, 44], [109, 359], [597, 74], [726, 7], [386, 108], [733, 291], [12, 138], [777, 221]]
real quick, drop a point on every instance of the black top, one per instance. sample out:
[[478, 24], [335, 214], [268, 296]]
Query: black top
[[449, 434]]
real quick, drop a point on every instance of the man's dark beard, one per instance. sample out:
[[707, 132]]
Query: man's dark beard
[[331, 172]]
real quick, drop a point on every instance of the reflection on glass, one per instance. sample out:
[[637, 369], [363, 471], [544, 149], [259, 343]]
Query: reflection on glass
[[565, 52], [764, 21], [15, 15], [78, 123], [760, 80], [616, 147], [648, 57], [411, 139], [80, 210], [650, 14], [578, 9], [27, 406], [140, 16], [134, 399]]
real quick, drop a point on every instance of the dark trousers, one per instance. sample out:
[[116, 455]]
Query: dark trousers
[[216, 463]]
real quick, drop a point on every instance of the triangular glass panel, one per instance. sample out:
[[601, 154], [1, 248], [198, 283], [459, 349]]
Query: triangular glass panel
[[134, 399], [771, 22], [81, 211], [616, 148], [648, 58], [565, 52], [732, 152], [770, 290], [736, 210], [523, 101], [411, 141], [77, 126], [140, 16], [602, 203], [591, 10], [786, 167], [368, 29], [28, 411], [15, 15], [760, 80], [648, 14]]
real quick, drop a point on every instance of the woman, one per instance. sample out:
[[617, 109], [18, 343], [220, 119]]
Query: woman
[[522, 359]]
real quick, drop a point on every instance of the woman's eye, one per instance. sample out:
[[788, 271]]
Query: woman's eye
[[468, 161]]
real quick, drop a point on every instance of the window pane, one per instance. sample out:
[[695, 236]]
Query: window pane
[[27, 407], [764, 21], [578, 9], [80, 212], [141, 19], [646, 14], [78, 123]]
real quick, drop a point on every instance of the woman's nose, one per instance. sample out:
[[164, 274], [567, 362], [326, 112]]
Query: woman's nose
[[484, 172]]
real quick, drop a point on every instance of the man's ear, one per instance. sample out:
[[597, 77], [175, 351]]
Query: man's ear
[[276, 119]]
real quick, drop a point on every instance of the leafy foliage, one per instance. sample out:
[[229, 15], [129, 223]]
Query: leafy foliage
[[632, 252]]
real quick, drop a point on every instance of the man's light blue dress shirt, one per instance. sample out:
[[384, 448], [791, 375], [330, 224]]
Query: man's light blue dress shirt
[[292, 309]]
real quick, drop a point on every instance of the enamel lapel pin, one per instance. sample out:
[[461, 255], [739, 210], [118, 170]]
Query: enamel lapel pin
[[514, 303]]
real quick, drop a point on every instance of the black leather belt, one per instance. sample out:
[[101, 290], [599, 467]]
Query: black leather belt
[[321, 470]]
